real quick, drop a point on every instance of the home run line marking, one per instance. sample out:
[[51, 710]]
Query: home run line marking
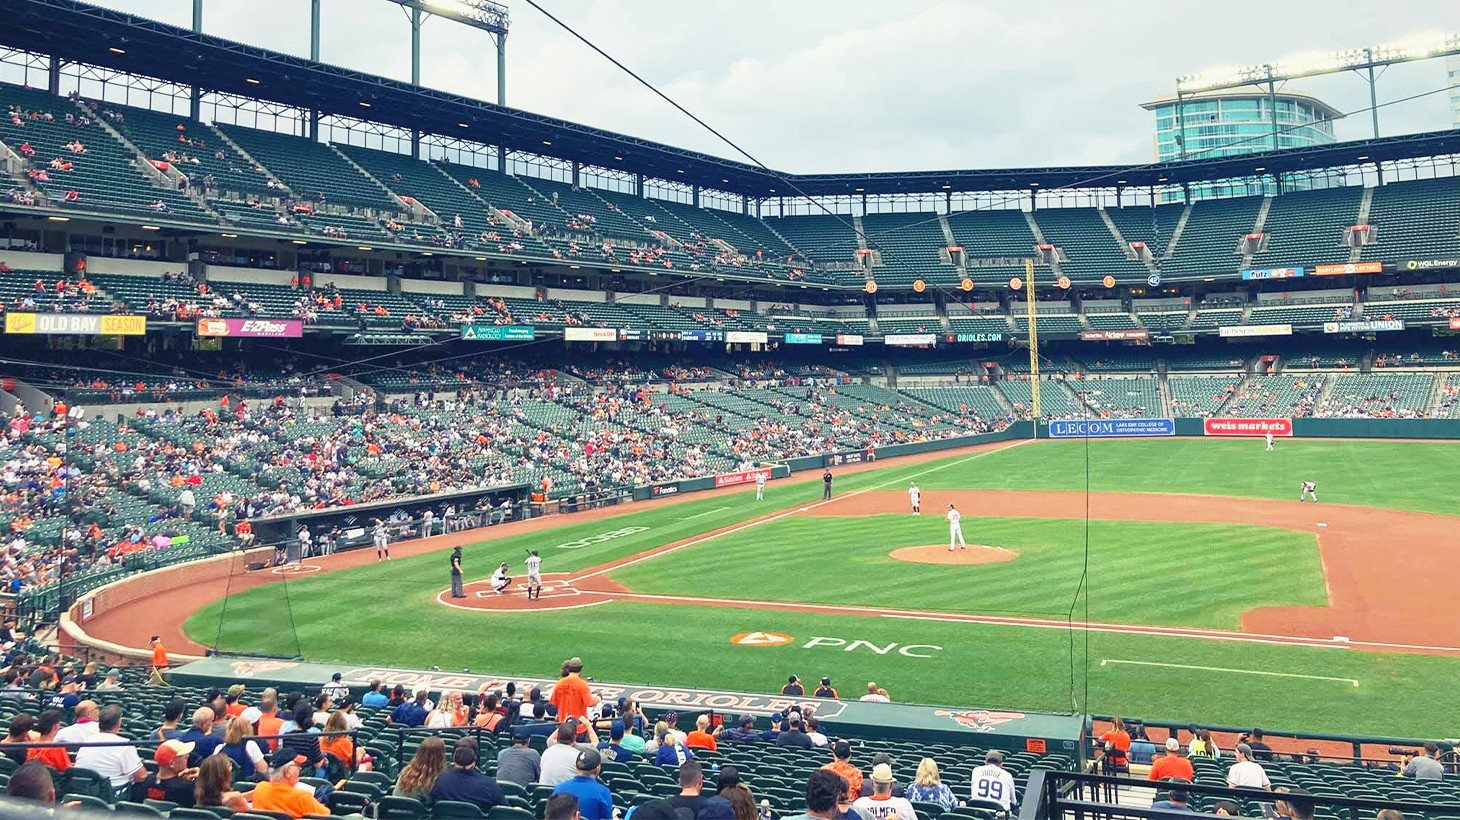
[[778, 516], [1224, 669]]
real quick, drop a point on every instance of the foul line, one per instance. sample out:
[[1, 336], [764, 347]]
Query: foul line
[[705, 513], [787, 513], [1234, 671]]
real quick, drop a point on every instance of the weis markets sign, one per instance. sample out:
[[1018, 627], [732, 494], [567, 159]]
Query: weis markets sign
[[1112, 428], [252, 328], [1247, 427]]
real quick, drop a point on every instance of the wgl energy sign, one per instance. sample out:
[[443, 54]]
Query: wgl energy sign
[[1112, 428]]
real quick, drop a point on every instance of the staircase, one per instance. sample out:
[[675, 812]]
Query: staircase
[[1366, 204], [1261, 223], [1125, 248], [1177, 232], [1437, 395], [1054, 265], [1325, 392], [1241, 387], [167, 180], [953, 243], [1163, 390], [417, 211], [279, 183], [1003, 402]]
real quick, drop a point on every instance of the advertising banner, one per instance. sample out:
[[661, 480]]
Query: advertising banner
[[1244, 331], [252, 328], [590, 334], [627, 335], [1247, 427], [662, 490], [75, 324], [745, 337], [1112, 428], [743, 477], [1431, 264], [802, 338], [1374, 326], [910, 339], [979, 337], [1115, 335], [1252, 274], [498, 333], [1348, 268], [849, 339]]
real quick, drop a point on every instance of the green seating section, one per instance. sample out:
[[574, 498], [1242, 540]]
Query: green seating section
[[1279, 396], [311, 168], [19, 285], [910, 324], [979, 400], [1416, 220], [824, 238], [1120, 360], [1208, 243], [1152, 226], [156, 133], [1165, 321], [1052, 317], [1216, 317], [1206, 360], [1054, 401], [1414, 311], [1091, 251], [994, 235], [910, 245], [107, 177], [1199, 396], [1378, 395], [1296, 315], [1135, 397], [1327, 779], [1450, 397], [1307, 228], [425, 183]]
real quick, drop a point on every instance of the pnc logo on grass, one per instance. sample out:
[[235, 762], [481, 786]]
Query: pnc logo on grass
[[761, 639]]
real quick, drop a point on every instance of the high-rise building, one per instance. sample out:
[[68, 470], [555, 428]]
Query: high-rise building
[[1452, 78], [1231, 122]]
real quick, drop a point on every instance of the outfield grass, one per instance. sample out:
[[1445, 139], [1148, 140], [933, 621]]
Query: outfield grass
[[385, 613], [1139, 573]]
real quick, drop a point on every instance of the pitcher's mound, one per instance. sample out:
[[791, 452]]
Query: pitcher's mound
[[939, 554]]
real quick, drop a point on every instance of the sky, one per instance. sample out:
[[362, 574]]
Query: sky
[[808, 86]]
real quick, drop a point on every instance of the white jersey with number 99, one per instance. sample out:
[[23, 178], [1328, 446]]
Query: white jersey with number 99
[[993, 784]]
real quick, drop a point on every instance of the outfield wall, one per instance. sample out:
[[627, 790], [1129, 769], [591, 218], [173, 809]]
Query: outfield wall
[[1436, 429]]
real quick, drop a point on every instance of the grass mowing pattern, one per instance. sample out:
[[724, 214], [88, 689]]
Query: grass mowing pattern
[[384, 614], [1140, 572]]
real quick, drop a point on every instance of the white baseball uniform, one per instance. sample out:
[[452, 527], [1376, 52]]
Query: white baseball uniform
[[1269, 442], [955, 530], [915, 495], [1310, 489], [993, 784], [760, 486], [534, 569]]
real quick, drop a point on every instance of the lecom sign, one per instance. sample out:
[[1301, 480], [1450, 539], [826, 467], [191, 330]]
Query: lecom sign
[[1247, 427]]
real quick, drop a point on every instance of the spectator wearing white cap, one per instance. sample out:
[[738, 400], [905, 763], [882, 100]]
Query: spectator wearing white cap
[[1172, 764], [881, 805]]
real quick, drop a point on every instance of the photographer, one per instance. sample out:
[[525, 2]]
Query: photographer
[[1426, 766]]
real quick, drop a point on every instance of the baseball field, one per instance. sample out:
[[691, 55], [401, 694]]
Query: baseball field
[[1176, 579]]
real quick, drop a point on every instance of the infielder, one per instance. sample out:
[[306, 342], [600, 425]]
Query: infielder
[[1269, 442], [916, 497], [534, 575], [760, 486], [1310, 489], [955, 529], [381, 539], [500, 579]]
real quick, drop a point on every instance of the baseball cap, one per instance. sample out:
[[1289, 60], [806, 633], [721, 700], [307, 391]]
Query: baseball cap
[[575, 664], [1172, 744], [251, 714], [826, 681], [795, 718], [236, 689], [588, 760], [716, 808], [994, 756], [285, 756], [842, 749], [747, 720], [882, 773], [336, 676], [170, 751], [115, 673]]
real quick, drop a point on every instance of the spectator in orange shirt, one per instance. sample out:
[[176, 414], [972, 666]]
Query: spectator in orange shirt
[[841, 764], [572, 697], [701, 737], [1172, 764], [1117, 743], [48, 723], [281, 794]]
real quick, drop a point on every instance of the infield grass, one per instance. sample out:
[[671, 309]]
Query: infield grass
[[385, 614]]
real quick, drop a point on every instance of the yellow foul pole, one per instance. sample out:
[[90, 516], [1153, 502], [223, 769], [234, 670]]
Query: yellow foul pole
[[1033, 340]]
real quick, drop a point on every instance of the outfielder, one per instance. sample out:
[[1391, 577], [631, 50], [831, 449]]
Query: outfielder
[[760, 486], [1269, 442], [915, 495], [1310, 489], [955, 529], [381, 539], [534, 575], [500, 579]]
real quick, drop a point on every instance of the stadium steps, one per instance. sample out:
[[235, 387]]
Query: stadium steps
[[1177, 232], [1257, 227], [1124, 243], [417, 211], [1366, 204], [284, 189], [1163, 389], [1221, 409], [1326, 391], [1437, 395], [160, 180], [861, 232], [1039, 239]]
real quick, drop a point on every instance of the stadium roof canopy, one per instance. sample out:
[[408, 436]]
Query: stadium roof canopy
[[76, 32]]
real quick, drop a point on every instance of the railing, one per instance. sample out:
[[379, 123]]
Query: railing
[[1356, 742], [1059, 795]]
